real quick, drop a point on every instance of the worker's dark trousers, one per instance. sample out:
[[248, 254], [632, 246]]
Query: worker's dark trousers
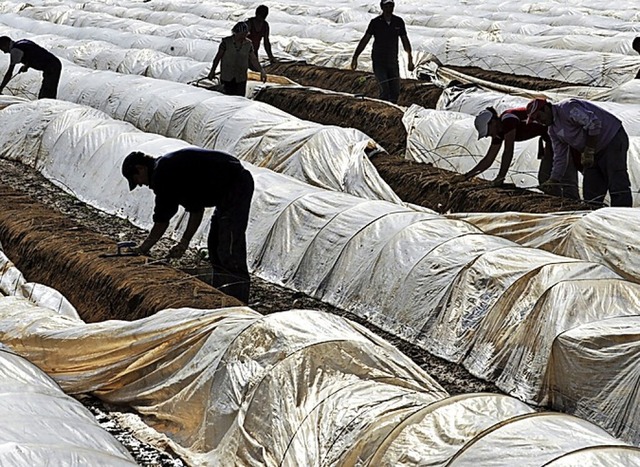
[[227, 240], [50, 80], [609, 173], [234, 88], [388, 76]]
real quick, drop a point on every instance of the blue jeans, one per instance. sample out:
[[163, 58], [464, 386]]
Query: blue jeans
[[388, 76]]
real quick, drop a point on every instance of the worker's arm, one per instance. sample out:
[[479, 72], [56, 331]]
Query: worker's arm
[[507, 157], [255, 63], [267, 44], [157, 231], [407, 48], [361, 45], [195, 219], [216, 60], [7, 76], [485, 163]]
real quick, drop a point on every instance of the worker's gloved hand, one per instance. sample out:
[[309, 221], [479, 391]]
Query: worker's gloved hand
[[23, 69], [550, 187], [177, 251], [354, 63], [263, 76], [588, 157]]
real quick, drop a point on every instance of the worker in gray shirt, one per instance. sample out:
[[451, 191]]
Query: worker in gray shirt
[[600, 138]]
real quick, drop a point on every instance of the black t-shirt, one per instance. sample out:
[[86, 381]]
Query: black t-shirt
[[385, 43], [193, 178], [35, 56]]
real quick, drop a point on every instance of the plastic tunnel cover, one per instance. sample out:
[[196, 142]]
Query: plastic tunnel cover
[[547, 435], [443, 428]]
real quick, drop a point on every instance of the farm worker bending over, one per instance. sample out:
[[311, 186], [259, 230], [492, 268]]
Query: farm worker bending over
[[258, 30], [195, 179], [600, 139], [512, 126], [234, 55], [385, 29], [31, 55]]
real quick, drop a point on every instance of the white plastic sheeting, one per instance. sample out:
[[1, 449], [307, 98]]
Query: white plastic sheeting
[[327, 156], [378, 259], [581, 43], [449, 140], [293, 388], [43, 426], [605, 236], [611, 342]]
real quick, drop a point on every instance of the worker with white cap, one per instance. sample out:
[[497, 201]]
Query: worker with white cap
[[508, 128]]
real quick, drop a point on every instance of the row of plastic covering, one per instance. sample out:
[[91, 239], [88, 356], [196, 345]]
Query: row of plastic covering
[[327, 156], [40, 424], [265, 139], [293, 388], [479, 300], [43, 426], [584, 48]]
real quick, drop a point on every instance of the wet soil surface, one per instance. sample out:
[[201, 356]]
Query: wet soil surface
[[265, 298]]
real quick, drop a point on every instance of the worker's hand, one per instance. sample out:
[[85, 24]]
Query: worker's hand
[[588, 157], [263, 76], [1, 89], [410, 65], [23, 69], [273, 60], [140, 250], [354, 63], [550, 187], [497, 182], [178, 250]]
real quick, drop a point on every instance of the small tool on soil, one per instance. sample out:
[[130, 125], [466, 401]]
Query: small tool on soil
[[123, 249]]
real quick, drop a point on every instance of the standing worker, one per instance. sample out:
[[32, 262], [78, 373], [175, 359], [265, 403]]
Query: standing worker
[[31, 55], [512, 126], [385, 30], [195, 179], [259, 30], [598, 136], [234, 56]]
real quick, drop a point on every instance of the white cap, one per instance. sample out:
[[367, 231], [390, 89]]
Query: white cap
[[482, 123], [384, 2]]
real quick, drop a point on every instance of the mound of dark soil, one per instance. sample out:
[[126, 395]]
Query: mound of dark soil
[[51, 249], [434, 188], [381, 121]]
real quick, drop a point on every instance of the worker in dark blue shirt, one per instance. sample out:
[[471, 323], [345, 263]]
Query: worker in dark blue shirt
[[385, 30], [196, 179], [31, 55]]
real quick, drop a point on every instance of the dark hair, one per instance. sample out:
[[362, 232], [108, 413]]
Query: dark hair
[[262, 11], [240, 28], [133, 159], [5, 42]]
